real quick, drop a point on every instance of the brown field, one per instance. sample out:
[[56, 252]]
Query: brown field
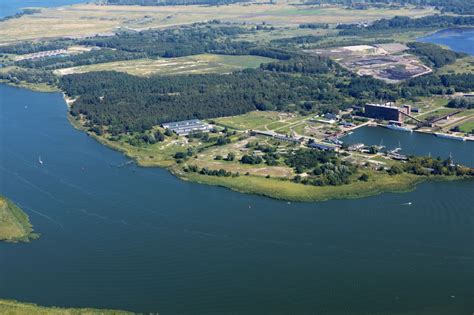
[[386, 62], [90, 19]]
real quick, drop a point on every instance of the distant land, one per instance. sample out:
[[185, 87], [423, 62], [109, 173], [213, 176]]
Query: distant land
[[18, 308]]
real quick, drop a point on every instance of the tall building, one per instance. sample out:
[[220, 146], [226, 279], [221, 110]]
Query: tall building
[[386, 112]]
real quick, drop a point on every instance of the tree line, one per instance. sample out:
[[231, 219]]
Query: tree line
[[403, 22]]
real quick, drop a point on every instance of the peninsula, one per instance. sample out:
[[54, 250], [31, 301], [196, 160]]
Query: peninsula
[[251, 104], [15, 225]]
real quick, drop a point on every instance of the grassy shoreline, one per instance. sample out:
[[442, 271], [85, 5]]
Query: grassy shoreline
[[18, 308], [284, 189], [289, 191], [15, 225]]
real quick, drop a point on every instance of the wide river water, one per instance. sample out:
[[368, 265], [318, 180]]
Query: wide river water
[[115, 235], [10, 7]]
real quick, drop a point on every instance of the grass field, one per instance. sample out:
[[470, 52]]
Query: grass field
[[260, 120], [467, 126], [251, 120], [14, 223], [16, 308], [205, 63], [287, 190], [437, 113], [90, 19], [462, 65]]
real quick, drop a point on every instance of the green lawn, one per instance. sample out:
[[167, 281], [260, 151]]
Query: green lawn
[[437, 113], [467, 126]]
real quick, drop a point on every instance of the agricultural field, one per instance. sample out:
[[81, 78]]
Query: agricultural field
[[205, 63], [90, 19]]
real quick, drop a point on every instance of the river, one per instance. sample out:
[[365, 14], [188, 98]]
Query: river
[[119, 236], [11, 7]]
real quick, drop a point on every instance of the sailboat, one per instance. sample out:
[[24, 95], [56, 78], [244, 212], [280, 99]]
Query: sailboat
[[39, 160]]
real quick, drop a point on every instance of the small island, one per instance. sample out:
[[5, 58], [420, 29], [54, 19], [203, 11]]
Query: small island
[[15, 225]]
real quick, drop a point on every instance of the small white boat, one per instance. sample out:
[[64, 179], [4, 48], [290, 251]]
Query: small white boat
[[39, 160]]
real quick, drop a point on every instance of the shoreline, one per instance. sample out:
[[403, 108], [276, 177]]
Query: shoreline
[[16, 307], [283, 189], [15, 224]]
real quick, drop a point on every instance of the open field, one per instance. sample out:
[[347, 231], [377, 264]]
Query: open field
[[467, 126], [261, 120], [207, 158], [11, 307], [205, 63], [14, 223], [89, 19], [251, 120], [437, 113]]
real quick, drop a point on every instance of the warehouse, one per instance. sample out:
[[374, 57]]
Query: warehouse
[[185, 127]]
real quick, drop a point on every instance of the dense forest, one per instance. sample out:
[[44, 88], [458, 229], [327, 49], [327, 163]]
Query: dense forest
[[85, 58], [32, 47], [171, 2], [129, 103], [452, 6], [434, 55], [304, 64], [30, 76], [183, 41]]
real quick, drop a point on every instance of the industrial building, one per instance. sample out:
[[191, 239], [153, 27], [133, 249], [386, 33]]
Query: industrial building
[[185, 127], [386, 112]]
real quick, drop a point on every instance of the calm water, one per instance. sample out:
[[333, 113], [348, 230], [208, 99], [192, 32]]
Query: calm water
[[458, 39], [415, 143], [140, 239], [10, 7]]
